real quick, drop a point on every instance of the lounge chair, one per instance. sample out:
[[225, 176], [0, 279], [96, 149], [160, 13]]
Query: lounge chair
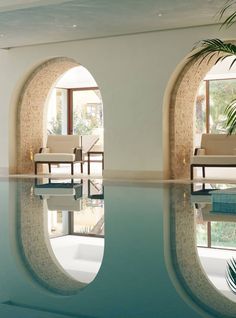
[[68, 149]]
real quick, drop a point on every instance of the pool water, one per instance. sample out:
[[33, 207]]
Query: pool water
[[114, 250]]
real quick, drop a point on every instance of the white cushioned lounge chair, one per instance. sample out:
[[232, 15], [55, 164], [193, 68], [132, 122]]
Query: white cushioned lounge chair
[[217, 150], [69, 149]]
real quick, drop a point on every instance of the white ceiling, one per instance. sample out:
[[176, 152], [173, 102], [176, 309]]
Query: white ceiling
[[27, 22]]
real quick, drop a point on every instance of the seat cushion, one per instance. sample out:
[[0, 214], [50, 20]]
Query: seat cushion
[[54, 157], [46, 192], [66, 203], [214, 160]]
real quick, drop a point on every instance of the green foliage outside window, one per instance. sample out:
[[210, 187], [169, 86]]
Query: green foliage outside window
[[223, 234], [222, 92], [81, 126]]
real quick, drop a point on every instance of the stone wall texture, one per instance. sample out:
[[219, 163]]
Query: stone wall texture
[[34, 245], [31, 110], [181, 116]]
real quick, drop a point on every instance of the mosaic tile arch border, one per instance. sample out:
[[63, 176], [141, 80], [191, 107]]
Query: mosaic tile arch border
[[31, 109], [181, 116]]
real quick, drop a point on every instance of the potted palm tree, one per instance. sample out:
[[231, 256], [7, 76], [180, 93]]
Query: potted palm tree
[[207, 49]]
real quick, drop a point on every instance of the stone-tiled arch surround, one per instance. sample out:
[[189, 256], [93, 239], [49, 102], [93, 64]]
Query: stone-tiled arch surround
[[31, 109], [184, 267], [181, 116], [33, 244]]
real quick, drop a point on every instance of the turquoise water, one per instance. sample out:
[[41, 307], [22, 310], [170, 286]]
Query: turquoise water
[[147, 270]]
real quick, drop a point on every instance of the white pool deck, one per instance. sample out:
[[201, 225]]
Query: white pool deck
[[213, 175]]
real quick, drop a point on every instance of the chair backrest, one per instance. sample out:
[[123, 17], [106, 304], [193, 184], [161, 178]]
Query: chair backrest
[[219, 144], [88, 141], [63, 143]]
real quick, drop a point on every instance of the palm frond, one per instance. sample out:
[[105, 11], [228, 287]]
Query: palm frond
[[231, 19], [231, 274], [230, 112], [211, 48]]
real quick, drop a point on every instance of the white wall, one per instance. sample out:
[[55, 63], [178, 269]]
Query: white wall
[[132, 73]]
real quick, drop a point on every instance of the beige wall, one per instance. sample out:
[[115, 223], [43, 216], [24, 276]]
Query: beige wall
[[133, 73]]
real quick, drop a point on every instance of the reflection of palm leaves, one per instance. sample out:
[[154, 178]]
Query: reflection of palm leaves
[[231, 274], [230, 112]]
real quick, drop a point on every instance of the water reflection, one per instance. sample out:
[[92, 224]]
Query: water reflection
[[193, 263], [214, 208], [73, 208], [147, 265], [62, 232]]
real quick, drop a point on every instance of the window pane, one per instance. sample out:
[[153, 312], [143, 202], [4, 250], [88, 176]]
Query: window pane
[[222, 92], [200, 114], [87, 112], [90, 220], [223, 234], [57, 112], [201, 229], [57, 223]]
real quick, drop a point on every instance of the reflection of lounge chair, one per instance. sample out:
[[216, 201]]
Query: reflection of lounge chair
[[217, 205], [60, 196], [95, 191], [69, 149]]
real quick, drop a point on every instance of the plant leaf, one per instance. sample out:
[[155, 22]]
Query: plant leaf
[[207, 49], [230, 112], [231, 19], [231, 275]]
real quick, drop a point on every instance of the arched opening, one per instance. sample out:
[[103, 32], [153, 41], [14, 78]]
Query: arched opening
[[216, 91], [75, 107], [185, 97], [181, 116], [30, 115], [32, 109]]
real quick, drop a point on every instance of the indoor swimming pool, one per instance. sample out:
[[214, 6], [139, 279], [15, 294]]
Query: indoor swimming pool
[[86, 248]]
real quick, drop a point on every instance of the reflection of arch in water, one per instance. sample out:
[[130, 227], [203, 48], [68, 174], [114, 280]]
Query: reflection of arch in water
[[34, 245], [183, 262]]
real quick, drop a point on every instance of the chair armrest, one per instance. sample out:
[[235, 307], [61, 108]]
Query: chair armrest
[[44, 150], [78, 154], [199, 151]]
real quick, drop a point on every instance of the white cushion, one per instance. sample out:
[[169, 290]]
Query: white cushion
[[64, 203], [63, 143], [45, 192], [216, 160], [54, 157], [218, 144], [197, 198]]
